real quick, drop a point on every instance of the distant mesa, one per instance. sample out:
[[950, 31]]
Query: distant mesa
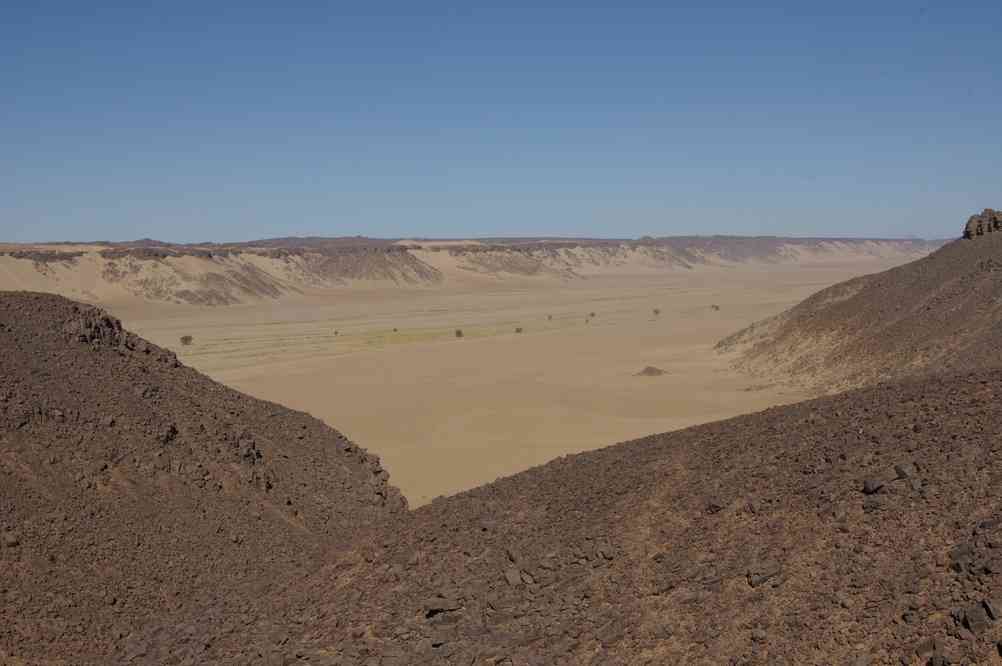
[[651, 371], [990, 220]]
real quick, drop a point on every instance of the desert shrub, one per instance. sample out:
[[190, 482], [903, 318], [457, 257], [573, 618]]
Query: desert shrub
[[518, 329], [549, 317], [394, 330], [657, 311], [336, 333], [459, 332], [715, 307], [591, 314], [186, 340]]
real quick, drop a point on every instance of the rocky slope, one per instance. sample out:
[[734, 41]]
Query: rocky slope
[[135, 493], [864, 528], [939, 313], [215, 274], [151, 516]]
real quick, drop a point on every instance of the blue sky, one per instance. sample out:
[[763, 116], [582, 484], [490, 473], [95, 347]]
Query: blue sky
[[233, 121]]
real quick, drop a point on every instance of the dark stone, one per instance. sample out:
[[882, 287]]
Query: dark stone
[[763, 572], [715, 505], [993, 607], [905, 471], [976, 619], [513, 577], [872, 486], [961, 556], [440, 604]]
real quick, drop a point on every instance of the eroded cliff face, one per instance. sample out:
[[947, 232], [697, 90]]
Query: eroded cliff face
[[231, 274]]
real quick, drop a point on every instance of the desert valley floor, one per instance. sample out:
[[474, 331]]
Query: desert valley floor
[[447, 414]]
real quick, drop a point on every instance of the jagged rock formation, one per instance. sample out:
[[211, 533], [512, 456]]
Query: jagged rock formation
[[136, 493], [987, 222], [936, 314]]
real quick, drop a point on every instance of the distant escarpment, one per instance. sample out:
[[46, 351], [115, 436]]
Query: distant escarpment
[[939, 313], [224, 274]]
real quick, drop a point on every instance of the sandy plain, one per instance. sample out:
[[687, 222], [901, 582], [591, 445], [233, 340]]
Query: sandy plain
[[447, 414]]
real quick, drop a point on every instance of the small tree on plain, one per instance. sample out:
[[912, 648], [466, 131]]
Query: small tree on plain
[[459, 332], [657, 312], [186, 340], [518, 330]]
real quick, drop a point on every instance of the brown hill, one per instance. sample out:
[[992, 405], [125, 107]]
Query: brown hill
[[135, 493], [939, 313]]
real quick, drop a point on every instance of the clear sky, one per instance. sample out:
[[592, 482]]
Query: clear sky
[[222, 120]]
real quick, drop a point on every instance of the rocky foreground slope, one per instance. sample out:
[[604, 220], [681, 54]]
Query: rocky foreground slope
[[864, 528], [136, 493], [151, 516], [936, 314]]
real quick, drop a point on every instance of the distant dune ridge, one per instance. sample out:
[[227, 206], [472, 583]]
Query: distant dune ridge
[[937, 314], [224, 274]]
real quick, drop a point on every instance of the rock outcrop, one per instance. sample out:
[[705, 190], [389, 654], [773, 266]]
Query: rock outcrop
[[987, 222]]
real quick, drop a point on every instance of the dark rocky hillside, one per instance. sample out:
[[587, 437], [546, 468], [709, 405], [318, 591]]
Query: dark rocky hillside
[[864, 528], [135, 493], [937, 314], [151, 516]]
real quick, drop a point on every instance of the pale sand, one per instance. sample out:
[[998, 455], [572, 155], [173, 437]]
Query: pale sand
[[448, 414]]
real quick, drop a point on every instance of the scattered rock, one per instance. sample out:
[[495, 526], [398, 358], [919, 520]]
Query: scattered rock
[[513, 576], [976, 619], [905, 471], [961, 557], [763, 572], [994, 608], [872, 486]]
